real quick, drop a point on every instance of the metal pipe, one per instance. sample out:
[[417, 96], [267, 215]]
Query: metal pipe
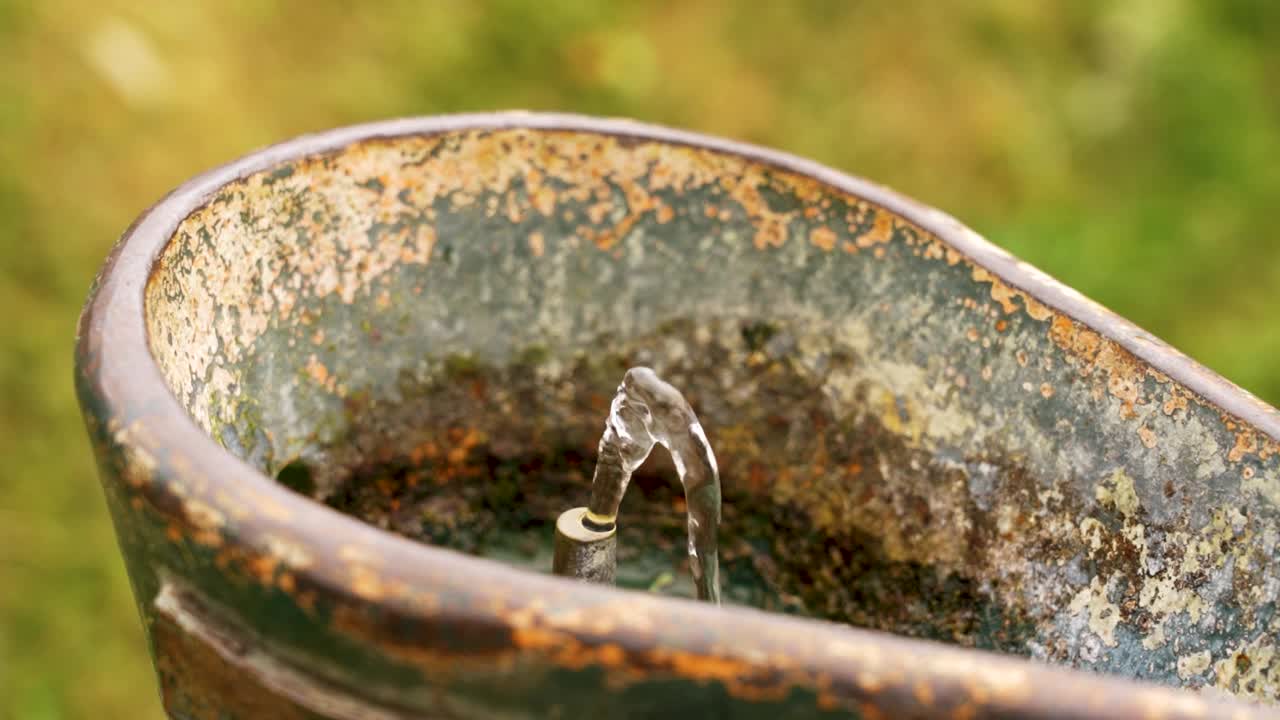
[[583, 552]]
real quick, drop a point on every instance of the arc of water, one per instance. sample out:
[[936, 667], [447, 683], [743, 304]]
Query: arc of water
[[646, 410]]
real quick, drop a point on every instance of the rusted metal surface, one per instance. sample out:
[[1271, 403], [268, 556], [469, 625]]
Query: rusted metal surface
[[916, 433]]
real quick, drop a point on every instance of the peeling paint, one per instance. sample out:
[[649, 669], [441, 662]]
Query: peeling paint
[[1104, 615]]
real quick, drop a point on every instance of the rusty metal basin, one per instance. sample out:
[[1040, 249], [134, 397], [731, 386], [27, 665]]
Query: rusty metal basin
[[340, 389]]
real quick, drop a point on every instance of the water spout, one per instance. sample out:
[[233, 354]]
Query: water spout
[[646, 411]]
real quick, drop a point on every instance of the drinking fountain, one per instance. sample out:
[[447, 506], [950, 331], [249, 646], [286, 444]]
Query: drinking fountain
[[342, 390]]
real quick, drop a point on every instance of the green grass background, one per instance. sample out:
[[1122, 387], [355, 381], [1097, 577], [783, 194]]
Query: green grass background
[[1129, 147]]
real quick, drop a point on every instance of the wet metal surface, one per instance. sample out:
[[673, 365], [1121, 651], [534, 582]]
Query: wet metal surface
[[916, 433]]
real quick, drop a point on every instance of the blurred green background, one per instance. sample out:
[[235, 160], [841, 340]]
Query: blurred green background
[[1130, 148]]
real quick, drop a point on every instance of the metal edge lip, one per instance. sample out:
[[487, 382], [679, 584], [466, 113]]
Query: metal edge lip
[[127, 381]]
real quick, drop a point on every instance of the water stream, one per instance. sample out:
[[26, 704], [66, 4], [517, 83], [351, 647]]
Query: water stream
[[646, 411]]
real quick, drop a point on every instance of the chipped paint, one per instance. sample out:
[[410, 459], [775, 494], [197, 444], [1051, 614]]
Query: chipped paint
[[1118, 493], [1104, 615], [1193, 664]]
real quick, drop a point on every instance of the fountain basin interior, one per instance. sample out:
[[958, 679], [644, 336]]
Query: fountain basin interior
[[915, 433]]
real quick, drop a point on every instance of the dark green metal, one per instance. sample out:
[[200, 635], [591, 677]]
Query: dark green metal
[[417, 326]]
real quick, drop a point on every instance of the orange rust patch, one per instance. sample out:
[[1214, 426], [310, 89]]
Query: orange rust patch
[[923, 693], [544, 200], [1125, 374], [1176, 402], [366, 583], [200, 523], [611, 655], [1005, 296], [424, 451], [823, 237], [739, 677], [1246, 444], [1046, 390], [703, 667], [465, 441], [1123, 386], [536, 244], [881, 231], [306, 602], [1147, 435], [263, 568], [870, 712], [317, 371], [771, 233], [1076, 339], [1036, 309]]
